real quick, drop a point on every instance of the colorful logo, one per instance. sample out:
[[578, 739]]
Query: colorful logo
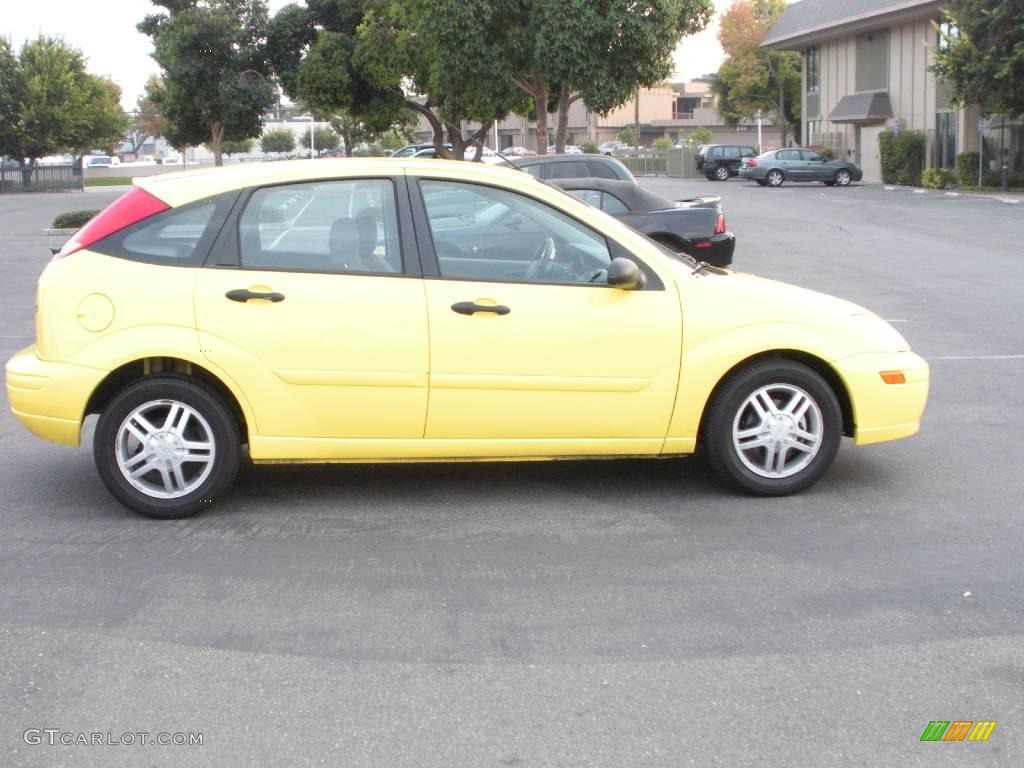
[[958, 730]]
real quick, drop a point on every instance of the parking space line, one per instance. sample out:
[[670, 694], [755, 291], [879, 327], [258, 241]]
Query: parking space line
[[978, 357]]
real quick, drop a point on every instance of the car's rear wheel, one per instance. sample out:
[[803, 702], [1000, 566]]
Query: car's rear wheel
[[722, 173], [773, 429], [166, 447], [709, 175], [842, 177], [761, 182], [774, 178]]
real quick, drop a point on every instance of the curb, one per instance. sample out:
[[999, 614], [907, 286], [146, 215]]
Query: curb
[[949, 193], [59, 232]]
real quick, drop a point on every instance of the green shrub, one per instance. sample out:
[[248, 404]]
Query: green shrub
[[967, 168], [73, 219], [662, 142], [589, 147], [902, 157], [823, 150], [937, 178]]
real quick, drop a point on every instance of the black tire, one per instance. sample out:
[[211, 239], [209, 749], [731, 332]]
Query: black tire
[[709, 175], [214, 416], [829, 183], [722, 173], [774, 178], [730, 408], [761, 182], [843, 178]]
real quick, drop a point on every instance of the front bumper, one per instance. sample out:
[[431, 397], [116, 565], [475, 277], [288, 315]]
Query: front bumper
[[884, 411], [50, 398]]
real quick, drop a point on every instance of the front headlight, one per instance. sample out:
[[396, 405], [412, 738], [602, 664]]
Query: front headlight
[[878, 335]]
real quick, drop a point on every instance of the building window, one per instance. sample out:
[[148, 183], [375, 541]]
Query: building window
[[947, 31], [813, 69], [813, 132], [945, 140]]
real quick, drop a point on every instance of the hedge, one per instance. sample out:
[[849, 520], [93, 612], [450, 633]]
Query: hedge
[[937, 178], [967, 168], [73, 219], [902, 157]]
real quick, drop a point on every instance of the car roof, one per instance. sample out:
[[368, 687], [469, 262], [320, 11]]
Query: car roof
[[554, 158], [186, 186], [633, 196]]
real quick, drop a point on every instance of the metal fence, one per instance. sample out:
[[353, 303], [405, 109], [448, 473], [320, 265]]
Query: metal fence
[[42, 178], [678, 163]]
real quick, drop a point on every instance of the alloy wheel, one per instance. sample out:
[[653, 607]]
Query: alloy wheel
[[777, 431]]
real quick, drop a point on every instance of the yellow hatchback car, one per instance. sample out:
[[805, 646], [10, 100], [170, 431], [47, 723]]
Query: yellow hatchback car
[[421, 310]]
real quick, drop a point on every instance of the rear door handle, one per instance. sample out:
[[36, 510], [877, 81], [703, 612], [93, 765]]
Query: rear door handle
[[470, 307], [244, 294]]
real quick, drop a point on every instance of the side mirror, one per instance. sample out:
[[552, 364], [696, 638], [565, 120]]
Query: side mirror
[[625, 275]]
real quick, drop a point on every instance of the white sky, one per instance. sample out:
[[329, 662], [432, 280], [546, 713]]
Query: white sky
[[105, 32]]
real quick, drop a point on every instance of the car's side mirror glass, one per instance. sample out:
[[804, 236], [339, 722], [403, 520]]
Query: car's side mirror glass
[[625, 275]]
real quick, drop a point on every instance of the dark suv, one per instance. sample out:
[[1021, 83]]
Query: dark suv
[[720, 161]]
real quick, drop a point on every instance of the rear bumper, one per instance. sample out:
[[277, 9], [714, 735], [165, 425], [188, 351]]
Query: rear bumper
[[751, 173], [50, 398], [716, 250], [885, 411]]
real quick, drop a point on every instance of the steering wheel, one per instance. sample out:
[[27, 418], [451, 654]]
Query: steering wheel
[[543, 261]]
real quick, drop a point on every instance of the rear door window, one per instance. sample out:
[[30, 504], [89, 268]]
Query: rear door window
[[569, 169], [602, 170]]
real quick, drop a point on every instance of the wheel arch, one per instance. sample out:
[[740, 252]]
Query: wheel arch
[[815, 363], [148, 367]]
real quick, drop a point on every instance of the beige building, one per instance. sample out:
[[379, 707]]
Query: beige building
[[866, 69]]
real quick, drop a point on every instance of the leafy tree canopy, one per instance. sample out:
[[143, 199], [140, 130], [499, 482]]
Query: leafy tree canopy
[[752, 79], [215, 69], [50, 104], [325, 138], [278, 140], [983, 58]]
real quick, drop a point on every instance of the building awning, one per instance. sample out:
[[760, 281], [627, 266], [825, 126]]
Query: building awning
[[862, 108]]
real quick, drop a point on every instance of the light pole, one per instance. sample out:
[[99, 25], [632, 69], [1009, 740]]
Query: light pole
[[759, 130]]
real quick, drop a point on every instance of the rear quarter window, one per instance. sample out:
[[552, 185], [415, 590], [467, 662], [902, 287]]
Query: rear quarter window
[[179, 236]]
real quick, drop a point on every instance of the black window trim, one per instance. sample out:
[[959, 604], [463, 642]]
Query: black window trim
[[113, 244], [431, 266], [226, 253]]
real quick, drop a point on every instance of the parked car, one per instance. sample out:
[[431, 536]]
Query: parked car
[[607, 147], [696, 227], [411, 149], [574, 167], [518, 152], [294, 318], [570, 149], [333, 153], [798, 164], [97, 161], [720, 161]]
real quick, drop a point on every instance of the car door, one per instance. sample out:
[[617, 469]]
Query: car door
[[314, 307], [814, 165], [537, 355], [789, 161]]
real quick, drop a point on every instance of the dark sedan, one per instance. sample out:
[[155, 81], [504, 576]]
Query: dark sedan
[[573, 166], [772, 168], [695, 227]]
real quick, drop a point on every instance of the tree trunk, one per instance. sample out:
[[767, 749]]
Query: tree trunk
[[457, 141], [217, 136], [435, 125], [346, 136], [26, 172], [478, 140], [562, 128], [540, 103], [781, 106]]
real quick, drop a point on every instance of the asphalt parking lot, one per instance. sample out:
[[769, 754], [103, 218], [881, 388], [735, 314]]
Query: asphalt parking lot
[[567, 614]]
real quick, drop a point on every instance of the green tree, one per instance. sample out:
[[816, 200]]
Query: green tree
[[278, 140], [242, 147], [600, 52], [50, 104], [145, 120], [626, 135], [751, 79], [981, 56], [215, 69], [699, 135], [325, 138]]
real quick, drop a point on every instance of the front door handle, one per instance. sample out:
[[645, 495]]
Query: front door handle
[[244, 294], [470, 307]]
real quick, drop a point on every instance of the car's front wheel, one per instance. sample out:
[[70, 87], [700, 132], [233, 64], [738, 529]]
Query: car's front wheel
[[842, 178], [166, 447], [761, 182], [774, 178], [722, 173], [773, 428]]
